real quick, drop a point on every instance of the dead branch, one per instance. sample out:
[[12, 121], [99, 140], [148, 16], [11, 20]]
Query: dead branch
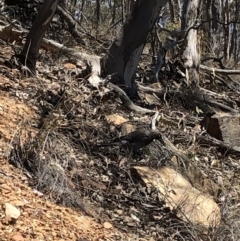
[[220, 105], [71, 22], [220, 71], [211, 93], [150, 90], [218, 60], [203, 97], [214, 142], [127, 102], [90, 60], [154, 120], [223, 81]]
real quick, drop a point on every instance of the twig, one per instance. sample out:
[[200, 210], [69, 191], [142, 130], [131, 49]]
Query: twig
[[154, 120]]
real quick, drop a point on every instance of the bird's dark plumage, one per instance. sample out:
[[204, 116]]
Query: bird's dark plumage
[[140, 138], [137, 139]]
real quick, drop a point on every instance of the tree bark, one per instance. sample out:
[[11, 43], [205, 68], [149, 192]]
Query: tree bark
[[130, 5], [226, 17], [215, 13], [171, 8], [208, 12], [81, 11], [98, 10], [125, 52], [234, 34], [178, 4], [189, 49], [123, 11], [113, 13], [30, 50]]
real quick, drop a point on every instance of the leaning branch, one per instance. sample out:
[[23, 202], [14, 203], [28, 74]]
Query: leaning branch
[[127, 102], [220, 71], [91, 60]]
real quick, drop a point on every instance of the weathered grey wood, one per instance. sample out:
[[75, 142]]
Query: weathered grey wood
[[190, 46], [219, 71]]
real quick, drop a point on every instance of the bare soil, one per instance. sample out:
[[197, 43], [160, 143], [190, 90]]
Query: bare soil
[[40, 218]]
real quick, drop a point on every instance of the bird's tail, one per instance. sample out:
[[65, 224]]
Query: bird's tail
[[109, 144]]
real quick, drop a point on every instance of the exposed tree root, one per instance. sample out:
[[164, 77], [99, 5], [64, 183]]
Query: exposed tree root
[[127, 102]]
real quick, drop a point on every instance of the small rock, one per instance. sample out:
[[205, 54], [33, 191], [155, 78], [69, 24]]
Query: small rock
[[69, 66], [119, 211], [214, 163], [11, 211], [116, 119], [107, 225], [6, 187], [35, 191], [17, 237], [151, 239]]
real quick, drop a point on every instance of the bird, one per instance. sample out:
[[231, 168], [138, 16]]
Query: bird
[[136, 139]]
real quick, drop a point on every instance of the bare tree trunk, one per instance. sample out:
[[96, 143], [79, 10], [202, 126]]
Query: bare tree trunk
[[235, 52], [190, 46], [125, 52], [171, 8], [215, 32], [209, 17], [130, 5], [178, 3], [31, 48], [81, 11], [233, 39], [98, 11], [225, 15], [234, 35], [215, 13], [123, 11], [113, 12]]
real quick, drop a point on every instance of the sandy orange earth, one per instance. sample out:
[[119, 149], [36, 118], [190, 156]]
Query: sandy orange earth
[[39, 218]]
